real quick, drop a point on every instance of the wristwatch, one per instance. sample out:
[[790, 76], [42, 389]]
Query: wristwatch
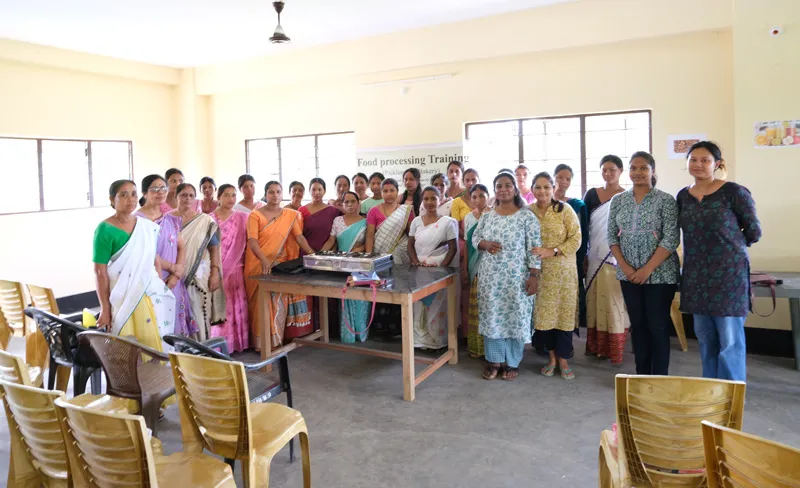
[[555, 252]]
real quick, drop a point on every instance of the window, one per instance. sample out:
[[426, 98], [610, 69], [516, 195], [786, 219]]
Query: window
[[300, 158], [55, 174], [543, 143]]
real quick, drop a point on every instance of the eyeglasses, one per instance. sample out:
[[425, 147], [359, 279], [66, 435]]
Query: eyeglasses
[[158, 189]]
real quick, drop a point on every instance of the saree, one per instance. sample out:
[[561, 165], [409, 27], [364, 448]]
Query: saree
[[430, 314], [141, 304], [235, 330], [242, 208], [474, 338], [390, 235], [282, 311], [317, 230], [167, 250], [208, 308], [606, 316], [356, 311]]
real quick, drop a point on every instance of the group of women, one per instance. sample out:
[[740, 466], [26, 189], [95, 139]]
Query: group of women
[[535, 264]]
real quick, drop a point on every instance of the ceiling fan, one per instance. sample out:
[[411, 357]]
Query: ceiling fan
[[279, 37]]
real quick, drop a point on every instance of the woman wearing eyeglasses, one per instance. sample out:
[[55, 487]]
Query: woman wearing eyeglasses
[[170, 250]]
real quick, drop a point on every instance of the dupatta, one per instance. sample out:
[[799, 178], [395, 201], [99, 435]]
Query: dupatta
[[352, 235], [132, 274], [599, 251]]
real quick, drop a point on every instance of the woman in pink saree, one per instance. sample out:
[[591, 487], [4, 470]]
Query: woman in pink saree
[[233, 227]]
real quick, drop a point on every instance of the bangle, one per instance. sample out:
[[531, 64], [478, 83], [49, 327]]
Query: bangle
[[535, 272], [214, 266]]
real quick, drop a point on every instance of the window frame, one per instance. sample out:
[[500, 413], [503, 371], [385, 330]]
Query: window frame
[[90, 173], [582, 131], [280, 155]]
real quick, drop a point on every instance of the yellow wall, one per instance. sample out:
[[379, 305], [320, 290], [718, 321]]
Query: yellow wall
[[686, 80], [54, 248]]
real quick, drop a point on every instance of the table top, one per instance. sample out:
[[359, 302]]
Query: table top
[[407, 279], [789, 289]]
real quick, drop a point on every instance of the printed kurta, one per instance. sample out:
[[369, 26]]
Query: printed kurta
[[716, 234], [504, 307], [557, 298]]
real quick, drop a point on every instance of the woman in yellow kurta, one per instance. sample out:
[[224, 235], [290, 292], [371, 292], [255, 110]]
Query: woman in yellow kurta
[[557, 299], [274, 235]]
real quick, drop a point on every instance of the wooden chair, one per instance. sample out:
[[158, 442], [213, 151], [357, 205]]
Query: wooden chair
[[14, 370], [109, 449], [216, 414], [5, 331], [659, 435], [66, 353], [133, 371], [742, 460]]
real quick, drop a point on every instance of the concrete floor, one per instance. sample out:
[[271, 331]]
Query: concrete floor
[[463, 431]]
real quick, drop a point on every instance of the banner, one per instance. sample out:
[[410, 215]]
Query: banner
[[429, 159]]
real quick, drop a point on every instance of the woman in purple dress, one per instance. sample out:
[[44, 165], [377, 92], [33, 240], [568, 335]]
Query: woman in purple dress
[[169, 251], [317, 224]]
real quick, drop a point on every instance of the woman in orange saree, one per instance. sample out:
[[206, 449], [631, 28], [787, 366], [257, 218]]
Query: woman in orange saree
[[274, 235]]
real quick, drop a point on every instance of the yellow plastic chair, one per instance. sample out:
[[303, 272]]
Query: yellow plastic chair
[[216, 414], [5, 331], [12, 302], [14, 370], [43, 298], [659, 435], [742, 460], [108, 449], [675, 313]]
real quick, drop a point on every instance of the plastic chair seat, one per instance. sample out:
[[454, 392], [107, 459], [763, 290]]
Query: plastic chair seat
[[156, 378], [273, 426], [35, 374], [184, 469], [105, 403]]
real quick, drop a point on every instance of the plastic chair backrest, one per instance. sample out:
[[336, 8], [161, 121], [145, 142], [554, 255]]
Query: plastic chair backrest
[[43, 299], [120, 358], [214, 404], [13, 369], [106, 449], [189, 346], [5, 331], [658, 423], [61, 335], [734, 458], [32, 418], [12, 301]]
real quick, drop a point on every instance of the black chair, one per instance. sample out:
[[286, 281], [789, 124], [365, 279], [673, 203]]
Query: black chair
[[262, 387], [65, 350]]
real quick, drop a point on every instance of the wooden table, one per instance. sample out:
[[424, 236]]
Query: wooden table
[[789, 289], [410, 284]]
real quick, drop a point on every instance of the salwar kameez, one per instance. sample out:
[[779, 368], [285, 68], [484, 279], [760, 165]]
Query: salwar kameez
[[504, 307]]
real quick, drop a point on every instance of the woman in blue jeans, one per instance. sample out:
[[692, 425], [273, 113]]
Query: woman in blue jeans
[[719, 223]]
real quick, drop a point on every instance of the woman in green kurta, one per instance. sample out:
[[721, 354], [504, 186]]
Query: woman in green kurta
[[508, 277]]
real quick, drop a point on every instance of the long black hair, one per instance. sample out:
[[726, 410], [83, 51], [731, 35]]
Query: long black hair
[[184, 186], [417, 197], [147, 182], [650, 160], [170, 172], [207, 179], [518, 201], [557, 205]]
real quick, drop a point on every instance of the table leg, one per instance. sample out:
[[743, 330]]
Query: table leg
[[263, 326], [452, 322], [794, 313], [407, 321], [323, 318]]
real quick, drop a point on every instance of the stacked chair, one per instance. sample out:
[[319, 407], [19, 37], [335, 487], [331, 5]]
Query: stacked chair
[[659, 439]]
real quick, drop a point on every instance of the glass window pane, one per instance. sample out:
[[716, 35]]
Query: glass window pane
[[599, 144], [605, 122], [637, 140], [492, 130], [560, 125], [337, 156], [110, 162], [533, 127], [263, 158], [637, 120], [19, 169], [65, 170]]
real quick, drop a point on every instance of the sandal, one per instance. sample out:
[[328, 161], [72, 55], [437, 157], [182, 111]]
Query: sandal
[[491, 371], [510, 374], [567, 374], [548, 370], [475, 356]]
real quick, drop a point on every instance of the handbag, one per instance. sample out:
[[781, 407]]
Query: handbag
[[764, 280]]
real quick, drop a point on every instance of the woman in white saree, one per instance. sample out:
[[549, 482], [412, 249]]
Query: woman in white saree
[[203, 277], [433, 242], [133, 299]]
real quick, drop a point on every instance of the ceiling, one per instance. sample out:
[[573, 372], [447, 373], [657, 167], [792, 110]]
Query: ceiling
[[185, 33]]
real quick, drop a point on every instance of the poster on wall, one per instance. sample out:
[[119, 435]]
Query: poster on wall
[[777, 133], [429, 159], [678, 145]]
